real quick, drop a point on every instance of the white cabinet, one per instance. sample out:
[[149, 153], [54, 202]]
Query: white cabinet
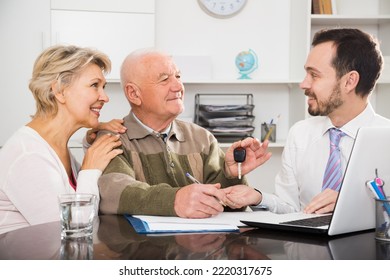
[[116, 28]]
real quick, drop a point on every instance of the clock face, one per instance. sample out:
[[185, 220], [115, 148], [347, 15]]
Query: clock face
[[222, 8]]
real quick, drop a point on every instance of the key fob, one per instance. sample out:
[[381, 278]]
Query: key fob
[[239, 154]]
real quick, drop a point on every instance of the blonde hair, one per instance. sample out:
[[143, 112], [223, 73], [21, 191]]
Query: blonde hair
[[61, 64]]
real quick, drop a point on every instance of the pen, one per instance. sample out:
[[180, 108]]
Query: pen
[[268, 133], [194, 180], [269, 128], [378, 193]]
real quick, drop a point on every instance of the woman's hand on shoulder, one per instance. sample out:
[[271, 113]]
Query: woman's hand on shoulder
[[115, 126], [102, 151]]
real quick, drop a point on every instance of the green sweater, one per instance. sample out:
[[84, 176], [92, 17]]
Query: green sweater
[[145, 178]]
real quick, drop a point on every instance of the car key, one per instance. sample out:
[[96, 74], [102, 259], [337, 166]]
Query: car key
[[239, 154]]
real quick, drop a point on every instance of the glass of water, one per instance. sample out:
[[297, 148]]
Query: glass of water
[[77, 213]]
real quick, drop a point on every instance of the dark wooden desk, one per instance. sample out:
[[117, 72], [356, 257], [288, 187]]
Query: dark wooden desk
[[114, 238]]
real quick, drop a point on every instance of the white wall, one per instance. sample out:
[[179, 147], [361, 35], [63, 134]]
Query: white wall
[[182, 28], [22, 39]]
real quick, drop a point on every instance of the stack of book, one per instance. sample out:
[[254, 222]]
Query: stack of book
[[228, 123]]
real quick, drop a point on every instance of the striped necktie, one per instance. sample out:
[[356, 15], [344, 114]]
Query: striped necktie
[[333, 174], [164, 137]]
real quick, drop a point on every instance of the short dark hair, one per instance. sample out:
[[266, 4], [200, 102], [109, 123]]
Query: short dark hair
[[356, 50]]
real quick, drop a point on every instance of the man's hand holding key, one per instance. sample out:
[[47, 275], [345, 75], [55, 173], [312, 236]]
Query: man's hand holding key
[[245, 155], [241, 158]]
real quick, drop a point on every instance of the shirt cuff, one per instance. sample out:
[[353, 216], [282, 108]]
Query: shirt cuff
[[87, 181], [261, 205]]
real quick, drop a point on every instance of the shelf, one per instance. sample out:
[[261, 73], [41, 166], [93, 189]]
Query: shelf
[[270, 145], [246, 82], [348, 20], [228, 82], [216, 82]]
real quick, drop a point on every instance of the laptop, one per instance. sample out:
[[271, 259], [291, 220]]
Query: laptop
[[355, 207]]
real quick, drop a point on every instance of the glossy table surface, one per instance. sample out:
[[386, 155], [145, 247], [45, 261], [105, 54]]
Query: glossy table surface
[[114, 238]]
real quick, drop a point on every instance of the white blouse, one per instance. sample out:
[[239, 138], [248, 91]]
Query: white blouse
[[31, 178]]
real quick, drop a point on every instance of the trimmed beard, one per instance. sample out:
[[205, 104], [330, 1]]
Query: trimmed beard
[[324, 108]]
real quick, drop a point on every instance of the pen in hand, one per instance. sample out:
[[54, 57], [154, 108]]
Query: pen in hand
[[194, 180]]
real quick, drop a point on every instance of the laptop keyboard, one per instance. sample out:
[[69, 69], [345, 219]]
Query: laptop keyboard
[[311, 222]]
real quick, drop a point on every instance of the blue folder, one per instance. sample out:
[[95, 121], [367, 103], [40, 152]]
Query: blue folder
[[142, 226]]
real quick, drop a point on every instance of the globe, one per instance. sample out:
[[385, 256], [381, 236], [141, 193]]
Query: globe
[[246, 62]]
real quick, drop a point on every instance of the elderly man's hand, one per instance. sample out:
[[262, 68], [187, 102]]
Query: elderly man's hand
[[256, 155]]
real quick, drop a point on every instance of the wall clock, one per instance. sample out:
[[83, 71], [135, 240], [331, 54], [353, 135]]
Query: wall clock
[[222, 8]]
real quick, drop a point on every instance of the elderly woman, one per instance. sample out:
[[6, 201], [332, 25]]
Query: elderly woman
[[35, 164]]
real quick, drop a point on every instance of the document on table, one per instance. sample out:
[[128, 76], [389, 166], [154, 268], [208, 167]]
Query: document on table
[[223, 222]]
